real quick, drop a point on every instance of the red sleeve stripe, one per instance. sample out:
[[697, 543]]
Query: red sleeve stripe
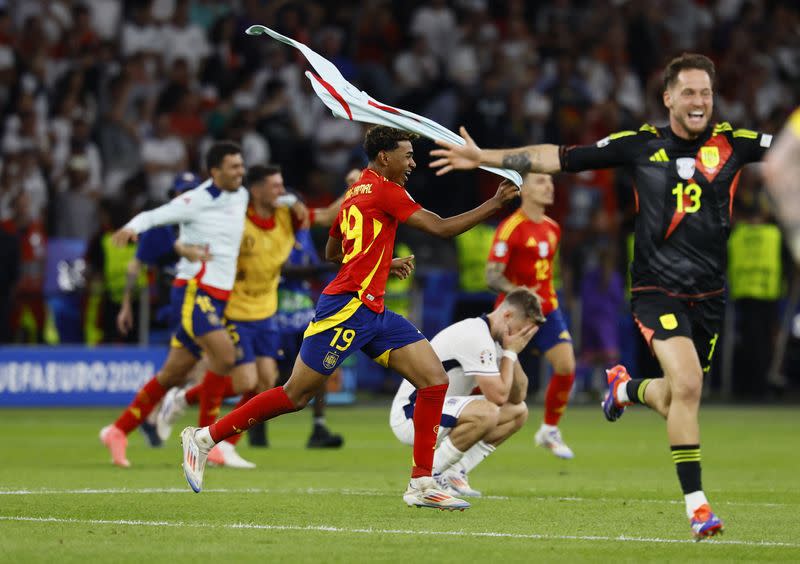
[[335, 94]]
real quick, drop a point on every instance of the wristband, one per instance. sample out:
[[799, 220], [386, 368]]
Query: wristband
[[287, 200], [510, 354]]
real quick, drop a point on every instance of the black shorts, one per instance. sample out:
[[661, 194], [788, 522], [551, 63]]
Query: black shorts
[[660, 316]]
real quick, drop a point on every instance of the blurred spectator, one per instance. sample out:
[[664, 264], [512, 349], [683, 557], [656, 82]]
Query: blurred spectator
[[756, 284], [223, 65], [118, 136], [334, 142], [107, 266], [140, 34], [602, 295], [416, 69], [184, 40], [75, 205], [436, 21], [9, 258], [27, 311], [163, 156], [241, 130]]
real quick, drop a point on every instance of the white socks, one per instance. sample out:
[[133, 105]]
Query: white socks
[[622, 394], [474, 456], [693, 501], [203, 438], [446, 455]]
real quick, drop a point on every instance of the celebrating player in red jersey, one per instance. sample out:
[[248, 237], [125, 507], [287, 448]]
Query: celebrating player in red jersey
[[350, 314], [522, 255]]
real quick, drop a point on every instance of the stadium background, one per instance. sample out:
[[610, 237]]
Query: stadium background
[[104, 101]]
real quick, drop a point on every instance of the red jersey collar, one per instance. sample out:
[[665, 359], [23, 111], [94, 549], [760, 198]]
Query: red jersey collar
[[261, 222]]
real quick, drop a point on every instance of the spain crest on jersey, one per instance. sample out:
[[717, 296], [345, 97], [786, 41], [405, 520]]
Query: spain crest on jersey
[[330, 360], [709, 156]]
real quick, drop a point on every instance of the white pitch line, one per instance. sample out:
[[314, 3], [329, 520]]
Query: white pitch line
[[363, 492], [310, 491], [371, 531]]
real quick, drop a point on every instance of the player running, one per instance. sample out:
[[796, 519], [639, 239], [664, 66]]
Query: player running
[[685, 175], [522, 255], [211, 215], [350, 314], [159, 248], [269, 237], [481, 353]]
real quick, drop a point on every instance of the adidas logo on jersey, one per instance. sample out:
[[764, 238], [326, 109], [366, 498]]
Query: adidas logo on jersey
[[531, 242], [660, 156]]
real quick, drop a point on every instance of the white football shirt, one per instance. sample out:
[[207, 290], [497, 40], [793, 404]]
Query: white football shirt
[[466, 350], [209, 216]]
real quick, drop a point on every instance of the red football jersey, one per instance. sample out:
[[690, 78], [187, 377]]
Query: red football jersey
[[367, 222], [527, 249]]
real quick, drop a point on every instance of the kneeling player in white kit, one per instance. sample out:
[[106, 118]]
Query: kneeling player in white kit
[[485, 401]]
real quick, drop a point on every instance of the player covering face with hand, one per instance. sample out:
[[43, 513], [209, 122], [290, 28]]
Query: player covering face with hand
[[350, 314], [478, 353]]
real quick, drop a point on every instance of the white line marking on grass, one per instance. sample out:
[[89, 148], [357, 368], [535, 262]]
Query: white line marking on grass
[[310, 491], [371, 531], [363, 492]]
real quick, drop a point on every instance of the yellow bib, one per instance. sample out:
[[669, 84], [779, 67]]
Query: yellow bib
[[258, 270]]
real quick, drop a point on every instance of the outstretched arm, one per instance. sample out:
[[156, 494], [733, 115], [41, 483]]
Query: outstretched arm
[[326, 216], [533, 158], [432, 223], [782, 173]]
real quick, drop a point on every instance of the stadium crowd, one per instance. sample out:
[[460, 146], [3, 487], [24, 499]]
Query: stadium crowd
[[104, 102]]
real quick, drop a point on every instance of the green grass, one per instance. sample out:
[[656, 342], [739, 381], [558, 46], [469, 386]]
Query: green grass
[[345, 506]]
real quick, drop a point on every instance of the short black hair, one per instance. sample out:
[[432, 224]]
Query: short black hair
[[382, 138], [688, 61], [526, 303], [218, 151], [257, 173]]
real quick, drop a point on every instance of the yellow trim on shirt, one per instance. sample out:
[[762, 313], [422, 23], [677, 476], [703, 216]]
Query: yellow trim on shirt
[[337, 318], [510, 225], [371, 275]]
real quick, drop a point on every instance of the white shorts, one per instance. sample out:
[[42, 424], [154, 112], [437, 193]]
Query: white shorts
[[403, 427]]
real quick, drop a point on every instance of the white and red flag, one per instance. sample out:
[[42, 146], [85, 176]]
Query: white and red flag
[[348, 102]]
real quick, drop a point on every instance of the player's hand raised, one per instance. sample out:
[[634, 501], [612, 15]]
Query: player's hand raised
[[456, 157], [506, 192], [402, 267], [123, 236], [516, 342]]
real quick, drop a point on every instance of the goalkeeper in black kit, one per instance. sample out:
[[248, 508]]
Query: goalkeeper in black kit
[[685, 176]]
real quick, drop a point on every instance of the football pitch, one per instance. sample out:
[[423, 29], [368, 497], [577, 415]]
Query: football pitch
[[61, 500]]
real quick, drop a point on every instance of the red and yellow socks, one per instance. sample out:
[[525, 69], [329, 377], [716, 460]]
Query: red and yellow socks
[[234, 439], [557, 397], [141, 406], [264, 406], [427, 415], [211, 398]]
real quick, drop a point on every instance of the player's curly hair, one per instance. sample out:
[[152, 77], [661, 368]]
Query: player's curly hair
[[382, 138], [527, 303], [688, 61]]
